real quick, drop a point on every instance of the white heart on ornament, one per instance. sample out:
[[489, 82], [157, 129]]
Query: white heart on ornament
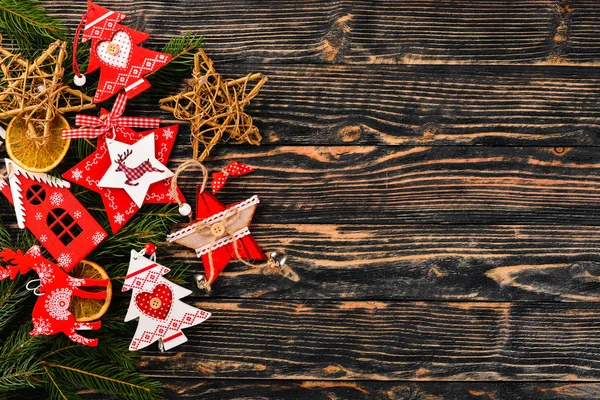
[[121, 58]]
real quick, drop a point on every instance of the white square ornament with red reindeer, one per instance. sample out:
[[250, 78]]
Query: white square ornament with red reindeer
[[134, 168]]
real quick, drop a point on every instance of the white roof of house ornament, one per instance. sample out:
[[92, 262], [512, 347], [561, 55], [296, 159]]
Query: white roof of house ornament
[[14, 172]]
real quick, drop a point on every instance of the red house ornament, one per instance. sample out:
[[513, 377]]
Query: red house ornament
[[123, 64], [45, 205]]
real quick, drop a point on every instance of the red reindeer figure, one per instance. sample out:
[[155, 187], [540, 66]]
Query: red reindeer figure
[[133, 174], [51, 311]]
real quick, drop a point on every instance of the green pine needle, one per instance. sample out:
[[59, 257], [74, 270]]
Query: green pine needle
[[182, 48], [55, 365], [28, 25]]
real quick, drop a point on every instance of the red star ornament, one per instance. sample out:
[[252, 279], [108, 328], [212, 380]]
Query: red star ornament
[[123, 64], [220, 233], [119, 206]]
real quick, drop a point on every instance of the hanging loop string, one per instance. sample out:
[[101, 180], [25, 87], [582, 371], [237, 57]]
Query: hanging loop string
[[184, 208], [75, 44]]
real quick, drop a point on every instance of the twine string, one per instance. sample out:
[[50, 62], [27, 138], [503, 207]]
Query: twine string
[[35, 93], [185, 165]]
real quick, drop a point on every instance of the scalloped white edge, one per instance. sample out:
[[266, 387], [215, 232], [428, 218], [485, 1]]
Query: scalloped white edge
[[213, 218]]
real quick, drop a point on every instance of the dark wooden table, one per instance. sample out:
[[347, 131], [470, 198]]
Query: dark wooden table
[[432, 169]]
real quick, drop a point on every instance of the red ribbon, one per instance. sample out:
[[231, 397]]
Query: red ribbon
[[233, 169], [108, 121]]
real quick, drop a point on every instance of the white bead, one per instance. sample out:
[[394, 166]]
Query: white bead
[[41, 88], [79, 80], [185, 209]]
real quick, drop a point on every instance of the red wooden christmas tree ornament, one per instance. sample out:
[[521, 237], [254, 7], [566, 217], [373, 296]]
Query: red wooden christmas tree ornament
[[51, 313], [45, 205], [220, 233], [123, 64]]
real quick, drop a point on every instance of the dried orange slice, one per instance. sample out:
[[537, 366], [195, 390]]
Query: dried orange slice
[[86, 310], [28, 154]]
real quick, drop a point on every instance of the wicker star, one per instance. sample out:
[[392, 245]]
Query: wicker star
[[34, 91], [215, 107]]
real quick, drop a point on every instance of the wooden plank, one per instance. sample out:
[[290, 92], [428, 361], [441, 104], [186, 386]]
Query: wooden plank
[[420, 105], [428, 262], [415, 185], [382, 340], [541, 32], [384, 390]]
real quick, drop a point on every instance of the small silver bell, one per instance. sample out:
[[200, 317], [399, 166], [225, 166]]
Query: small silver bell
[[161, 345], [201, 282], [278, 258]]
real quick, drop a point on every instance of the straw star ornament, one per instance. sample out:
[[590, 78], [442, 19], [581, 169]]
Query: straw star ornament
[[215, 107], [35, 90], [34, 96]]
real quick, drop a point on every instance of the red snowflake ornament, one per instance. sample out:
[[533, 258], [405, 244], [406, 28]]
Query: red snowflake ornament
[[45, 205], [51, 313], [220, 233], [123, 64], [119, 205]]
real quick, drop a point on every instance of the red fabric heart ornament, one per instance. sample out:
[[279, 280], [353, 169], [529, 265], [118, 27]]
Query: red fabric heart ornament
[[156, 304]]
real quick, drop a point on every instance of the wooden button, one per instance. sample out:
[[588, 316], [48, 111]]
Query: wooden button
[[217, 229], [113, 49], [155, 303]]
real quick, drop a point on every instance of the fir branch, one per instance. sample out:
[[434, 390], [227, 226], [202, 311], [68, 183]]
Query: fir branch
[[182, 48], [11, 301], [107, 379], [19, 368], [54, 390], [28, 25]]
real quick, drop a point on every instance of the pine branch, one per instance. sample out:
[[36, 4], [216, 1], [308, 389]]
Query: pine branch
[[55, 364], [28, 25], [54, 390], [107, 379], [182, 48], [19, 368], [12, 301]]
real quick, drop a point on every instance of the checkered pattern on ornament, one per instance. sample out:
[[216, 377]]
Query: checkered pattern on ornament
[[135, 73], [151, 277], [188, 319], [97, 31], [150, 336]]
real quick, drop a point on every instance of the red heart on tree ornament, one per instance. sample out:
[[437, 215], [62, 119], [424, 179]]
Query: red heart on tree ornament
[[156, 304]]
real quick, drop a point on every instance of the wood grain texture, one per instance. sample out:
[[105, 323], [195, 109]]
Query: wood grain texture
[[382, 390], [432, 170], [382, 185], [427, 262], [540, 32], [379, 340], [420, 105]]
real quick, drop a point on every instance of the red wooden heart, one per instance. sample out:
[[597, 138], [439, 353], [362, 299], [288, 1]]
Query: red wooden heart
[[156, 304]]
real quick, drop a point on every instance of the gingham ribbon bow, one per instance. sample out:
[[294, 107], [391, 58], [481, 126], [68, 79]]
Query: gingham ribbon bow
[[233, 169], [108, 121]]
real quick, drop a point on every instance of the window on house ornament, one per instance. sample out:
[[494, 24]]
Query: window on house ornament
[[36, 195], [63, 225]]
